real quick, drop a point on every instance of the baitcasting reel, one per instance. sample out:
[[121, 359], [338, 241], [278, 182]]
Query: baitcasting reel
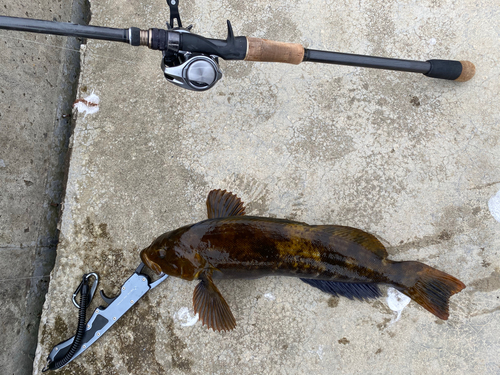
[[197, 72], [192, 71]]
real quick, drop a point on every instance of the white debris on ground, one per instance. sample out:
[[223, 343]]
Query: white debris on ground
[[269, 296], [318, 352], [89, 105], [397, 302], [494, 206], [186, 317]]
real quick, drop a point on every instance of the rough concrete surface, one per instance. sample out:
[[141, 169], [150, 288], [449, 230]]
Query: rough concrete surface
[[411, 159], [38, 76]]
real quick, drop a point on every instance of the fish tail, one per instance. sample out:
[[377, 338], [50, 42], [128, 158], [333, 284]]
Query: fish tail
[[430, 288]]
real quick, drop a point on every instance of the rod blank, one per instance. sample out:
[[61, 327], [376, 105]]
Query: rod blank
[[326, 57], [460, 71], [63, 28]]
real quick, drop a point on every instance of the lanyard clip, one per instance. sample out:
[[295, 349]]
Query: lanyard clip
[[85, 280]]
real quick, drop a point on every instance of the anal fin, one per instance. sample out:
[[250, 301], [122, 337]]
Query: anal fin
[[213, 310], [349, 290]]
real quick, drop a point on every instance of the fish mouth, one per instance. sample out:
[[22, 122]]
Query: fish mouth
[[149, 263]]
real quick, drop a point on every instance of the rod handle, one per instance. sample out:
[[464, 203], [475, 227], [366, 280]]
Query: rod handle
[[270, 51], [460, 71]]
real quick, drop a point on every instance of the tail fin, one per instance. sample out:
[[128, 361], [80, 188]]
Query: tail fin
[[432, 289]]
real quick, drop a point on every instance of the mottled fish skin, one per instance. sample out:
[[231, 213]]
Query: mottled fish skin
[[242, 247], [231, 245]]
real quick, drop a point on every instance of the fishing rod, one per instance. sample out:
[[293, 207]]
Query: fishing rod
[[191, 61]]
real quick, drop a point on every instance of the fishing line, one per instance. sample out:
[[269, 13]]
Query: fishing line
[[25, 278], [64, 48]]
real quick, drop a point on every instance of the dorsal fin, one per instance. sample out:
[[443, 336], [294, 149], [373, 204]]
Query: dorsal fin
[[222, 203], [367, 240]]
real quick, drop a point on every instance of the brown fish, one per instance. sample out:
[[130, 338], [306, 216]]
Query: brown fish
[[336, 259]]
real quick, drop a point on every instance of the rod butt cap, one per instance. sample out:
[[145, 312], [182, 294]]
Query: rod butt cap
[[468, 71]]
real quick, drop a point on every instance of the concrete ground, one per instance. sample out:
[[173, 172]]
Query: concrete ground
[[410, 159], [38, 77]]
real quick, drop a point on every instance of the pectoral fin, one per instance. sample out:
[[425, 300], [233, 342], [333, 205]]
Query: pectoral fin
[[213, 310], [222, 203]]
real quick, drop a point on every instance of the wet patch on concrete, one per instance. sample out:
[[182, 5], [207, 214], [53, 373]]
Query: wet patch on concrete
[[415, 101], [487, 284], [333, 302], [422, 242], [137, 336], [343, 341], [177, 347], [384, 324]]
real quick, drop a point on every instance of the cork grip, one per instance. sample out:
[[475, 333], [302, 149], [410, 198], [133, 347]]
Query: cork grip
[[468, 71], [270, 51]]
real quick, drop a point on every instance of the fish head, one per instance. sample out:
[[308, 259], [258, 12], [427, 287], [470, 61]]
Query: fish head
[[147, 259], [166, 255]]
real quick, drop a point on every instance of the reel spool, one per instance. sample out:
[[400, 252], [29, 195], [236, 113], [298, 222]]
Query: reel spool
[[192, 72]]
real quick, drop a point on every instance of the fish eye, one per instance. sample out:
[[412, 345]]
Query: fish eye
[[162, 253]]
